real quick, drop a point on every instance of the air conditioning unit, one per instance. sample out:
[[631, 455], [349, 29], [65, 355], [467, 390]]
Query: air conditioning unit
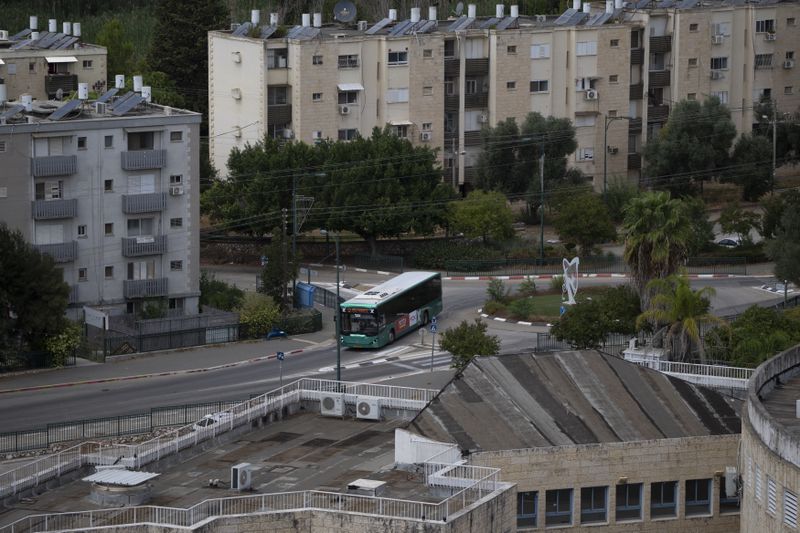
[[483, 118], [100, 108], [288, 134], [717, 75], [717, 39], [789, 63], [3, 35], [541, 18], [331, 405], [591, 94], [770, 37], [242, 476], [613, 150], [426, 136], [176, 190], [368, 408], [236, 93], [316, 135], [344, 109], [363, 25]]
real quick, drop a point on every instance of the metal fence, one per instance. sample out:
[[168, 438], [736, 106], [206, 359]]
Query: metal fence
[[614, 343], [326, 298], [391, 263], [11, 362], [116, 344], [591, 265]]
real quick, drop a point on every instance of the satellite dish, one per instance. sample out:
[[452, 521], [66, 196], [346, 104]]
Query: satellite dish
[[459, 9], [59, 94], [344, 11]]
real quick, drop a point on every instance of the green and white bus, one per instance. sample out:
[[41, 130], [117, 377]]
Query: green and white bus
[[390, 310]]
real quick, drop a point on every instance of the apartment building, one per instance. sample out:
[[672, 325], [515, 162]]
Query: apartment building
[[110, 190], [45, 64], [614, 69]]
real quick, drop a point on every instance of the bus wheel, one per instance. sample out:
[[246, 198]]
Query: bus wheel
[[391, 336], [425, 318]]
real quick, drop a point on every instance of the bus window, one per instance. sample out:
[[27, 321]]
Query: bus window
[[360, 324]]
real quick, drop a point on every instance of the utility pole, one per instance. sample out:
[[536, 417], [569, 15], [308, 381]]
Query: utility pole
[[774, 143], [294, 232], [541, 203], [338, 316], [285, 263]]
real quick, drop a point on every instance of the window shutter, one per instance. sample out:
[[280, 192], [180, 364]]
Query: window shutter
[[772, 501], [789, 509]]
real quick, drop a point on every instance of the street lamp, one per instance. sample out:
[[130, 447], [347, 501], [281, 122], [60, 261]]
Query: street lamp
[[337, 315], [608, 121], [295, 226]]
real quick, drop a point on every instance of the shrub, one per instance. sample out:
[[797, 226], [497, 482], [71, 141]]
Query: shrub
[[61, 345], [218, 294], [527, 288], [156, 308], [259, 313], [497, 291], [557, 283], [494, 308], [434, 255], [522, 309], [467, 341]]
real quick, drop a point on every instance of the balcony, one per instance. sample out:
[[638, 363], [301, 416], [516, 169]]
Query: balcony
[[62, 252], [144, 159], [657, 113], [54, 165], [279, 114], [659, 78], [662, 44], [53, 209], [144, 203], [634, 125], [637, 56], [451, 102], [144, 288], [636, 91], [634, 161], [139, 246], [451, 68], [73, 295], [472, 138], [476, 67], [68, 83], [476, 101]]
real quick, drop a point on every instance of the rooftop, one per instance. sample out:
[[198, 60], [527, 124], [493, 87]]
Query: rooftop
[[578, 397], [53, 43]]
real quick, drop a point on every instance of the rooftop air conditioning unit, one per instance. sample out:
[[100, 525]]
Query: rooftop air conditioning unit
[[344, 109], [426, 136], [176, 190], [368, 408], [331, 405], [541, 18], [241, 477], [770, 37], [483, 118], [789, 63], [3, 35], [591, 94], [363, 25], [716, 75], [717, 39], [100, 108], [236, 93]]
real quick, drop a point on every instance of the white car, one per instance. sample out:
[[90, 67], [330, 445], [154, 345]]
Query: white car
[[209, 420]]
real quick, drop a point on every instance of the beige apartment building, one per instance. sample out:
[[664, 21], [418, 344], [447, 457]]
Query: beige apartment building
[[615, 69], [40, 63]]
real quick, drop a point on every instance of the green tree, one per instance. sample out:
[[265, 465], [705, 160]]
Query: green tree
[[753, 337], [784, 249], [33, 295], [752, 166], [260, 313], [120, 50], [64, 343], [657, 232], [278, 272], [588, 323], [180, 44], [483, 214], [679, 312], [496, 291], [584, 220], [618, 194], [702, 230], [692, 147], [773, 209], [737, 221], [218, 294], [787, 130], [466, 341]]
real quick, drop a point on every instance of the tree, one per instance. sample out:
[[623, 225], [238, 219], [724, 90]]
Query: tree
[[33, 295], [617, 196], [692, 147], [279, 270], [584, 220], [784, 249], [702, 229], [735, 220], [180, 44], [483, 214], [774, 207], [588, 323], [787, 130], [754, 336], [680, 312], [260, 313], [657, 234], [467, 340], [752, 166], [218, 294], [120, 50]]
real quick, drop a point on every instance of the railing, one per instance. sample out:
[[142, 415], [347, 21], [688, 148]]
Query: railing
[[144, 159], [53, 209], [144, 288], [661, 43], [326, 298], [472, 138], [54, 165], [476, 67], [62, 252], [138, 246], [707, 375], [637, 56], [73, 294], [659, 78], [657, 113], [476, 100], [279, 114], [636, 91], [66, 82], [634, 161], [634, 125], [452, 67], [144, 203]]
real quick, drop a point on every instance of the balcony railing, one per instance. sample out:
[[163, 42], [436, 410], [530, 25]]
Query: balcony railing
[[636, 91], [659, 78], [279, 114], [66, 82], [54, 165], [53, 209], [634, 161], [637, 56], [470, 175], [634, 125], [144, 203], [144, 288], [144, 159], [472, 138], [451, 102], [657, 113], [477, 100], [138, 246], [476, 67], [62, 252], [451, 67], [662, 43]]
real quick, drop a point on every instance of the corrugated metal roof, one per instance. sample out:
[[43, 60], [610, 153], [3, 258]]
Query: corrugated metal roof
[[581, 397], [120, 477]]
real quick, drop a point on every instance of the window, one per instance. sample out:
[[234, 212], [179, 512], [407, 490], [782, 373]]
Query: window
[[176, 136], [789, 509], [348, 134], [278, 58], [691, 96], [765, 26], [790, 54], [764, 94], [449, 49], [728, 494], [585, 154], [698, 501], [635, 39], [401, 131], [2, 147], [427, 126], [87, 63], [142, 270], [758, 483], [108, 228], [692, 27], [108, 185], [176, 179], [539, 86], [176, 222], [787, 90], [721, 28], [721, 95], [692, 61], [49, 190], [397, 58], [584, 84], [614, 78], [629, 501], [176, 303], [772, 490], [176, 265], [427, 90], [82, 231], [719, 63], [11, 68], [449, 88], [140, 227], [348, 97], [558, 507], [614, 43], [470, 86], [145, 184], [83, 274], [141, 140], [32, 67], [612, 112], [593, 504], [511, 50], [583, 121], [109, 141], [656, 61], [109, 271], [396, 96], [540, 51], [277, 95], [427, 53], [527, 507], [81, 143], [316, 97], [348, 61], [663, 498], [316, 60], [763, 60], [790, 21], [511, 85], [586, 48]]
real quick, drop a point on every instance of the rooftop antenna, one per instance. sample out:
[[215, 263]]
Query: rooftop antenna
[[344, 11], [459, 9]]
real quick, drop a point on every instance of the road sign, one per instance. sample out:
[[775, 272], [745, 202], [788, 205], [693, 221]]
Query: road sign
[[281, 356], [433, 320], [433, 328]]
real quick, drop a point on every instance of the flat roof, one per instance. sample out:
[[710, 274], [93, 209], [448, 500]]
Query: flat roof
[[780, 403], [574, 397]]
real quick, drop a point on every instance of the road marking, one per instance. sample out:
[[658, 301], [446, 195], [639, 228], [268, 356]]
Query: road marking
[[403, 365]]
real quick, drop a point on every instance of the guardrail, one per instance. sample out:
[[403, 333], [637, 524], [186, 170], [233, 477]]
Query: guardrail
[[708, 375]]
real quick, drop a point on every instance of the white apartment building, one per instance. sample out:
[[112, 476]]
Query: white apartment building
[[111, 191]]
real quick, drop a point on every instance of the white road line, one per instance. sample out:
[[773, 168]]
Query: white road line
[[403, 365]]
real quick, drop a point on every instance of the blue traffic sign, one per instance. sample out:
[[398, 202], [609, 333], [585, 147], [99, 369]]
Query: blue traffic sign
[[433, 328], [433, 320], [281, 356]]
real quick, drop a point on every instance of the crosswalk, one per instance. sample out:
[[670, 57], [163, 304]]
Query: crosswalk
[[415, 360]]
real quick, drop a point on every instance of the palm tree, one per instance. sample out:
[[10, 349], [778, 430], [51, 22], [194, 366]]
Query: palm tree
[[657, 232], [679, 312]]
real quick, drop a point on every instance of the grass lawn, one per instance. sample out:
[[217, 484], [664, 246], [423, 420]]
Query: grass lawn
[[547, 305]]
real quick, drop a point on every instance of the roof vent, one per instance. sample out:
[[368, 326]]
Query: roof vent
[[366, 487]]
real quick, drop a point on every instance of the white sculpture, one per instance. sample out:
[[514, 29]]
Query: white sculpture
[[571, 279]]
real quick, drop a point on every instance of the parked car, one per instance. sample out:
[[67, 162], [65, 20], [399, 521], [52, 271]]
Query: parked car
[[728, 243], [211, 419]]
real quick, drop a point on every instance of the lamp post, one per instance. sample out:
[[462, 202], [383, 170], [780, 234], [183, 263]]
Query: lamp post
[[338, 314], [295, 225], [608, 121]]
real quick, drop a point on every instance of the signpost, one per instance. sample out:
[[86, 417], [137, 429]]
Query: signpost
[[281, 356], [433, 339]]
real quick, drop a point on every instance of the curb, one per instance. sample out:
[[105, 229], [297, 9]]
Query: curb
[[603, 275], [511, 321]]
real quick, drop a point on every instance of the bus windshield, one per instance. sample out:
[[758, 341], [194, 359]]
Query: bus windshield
[[359, 323]]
